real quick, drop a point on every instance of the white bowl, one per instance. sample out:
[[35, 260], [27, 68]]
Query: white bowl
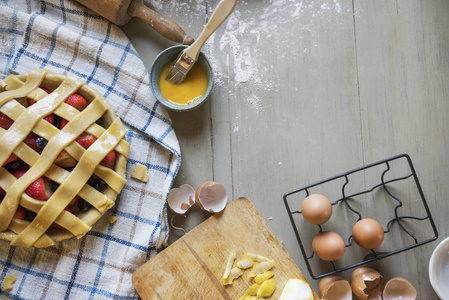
[[439, 269]]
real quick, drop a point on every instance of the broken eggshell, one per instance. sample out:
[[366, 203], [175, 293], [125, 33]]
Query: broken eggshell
[[211, 196], [335, 287], [181, 199], [399, 288], [366, 283]]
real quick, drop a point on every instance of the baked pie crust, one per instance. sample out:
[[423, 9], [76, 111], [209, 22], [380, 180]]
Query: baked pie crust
[[57, 218]]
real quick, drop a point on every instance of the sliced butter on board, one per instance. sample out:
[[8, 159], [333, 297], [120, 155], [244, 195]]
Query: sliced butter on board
[[261, 268], [228, 269]]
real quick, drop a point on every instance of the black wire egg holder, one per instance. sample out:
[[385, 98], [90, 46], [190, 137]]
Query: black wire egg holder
[[373, 256]]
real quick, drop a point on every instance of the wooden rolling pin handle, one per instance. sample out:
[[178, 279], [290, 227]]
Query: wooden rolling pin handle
[[164, 26]]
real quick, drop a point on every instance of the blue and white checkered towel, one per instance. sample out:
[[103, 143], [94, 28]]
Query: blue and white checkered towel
[[67, 38]]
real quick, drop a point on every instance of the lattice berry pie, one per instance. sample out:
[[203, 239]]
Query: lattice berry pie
[[62, 155]]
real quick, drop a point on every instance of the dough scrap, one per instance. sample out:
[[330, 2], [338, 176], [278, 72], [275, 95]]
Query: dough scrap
[[8, 282], [140, 172]]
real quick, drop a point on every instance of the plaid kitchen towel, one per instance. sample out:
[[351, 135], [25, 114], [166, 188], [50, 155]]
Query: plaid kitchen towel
[[67, 38]]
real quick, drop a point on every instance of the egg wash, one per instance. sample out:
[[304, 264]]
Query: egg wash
[[190, 90]]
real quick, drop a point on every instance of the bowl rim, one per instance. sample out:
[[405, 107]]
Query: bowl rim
[[435, 252], [158, 95]]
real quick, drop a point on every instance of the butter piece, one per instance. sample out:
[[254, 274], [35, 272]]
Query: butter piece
[[266, 288], [140, 172], [256, 257], [234, 274], [261, 268], [252, 290], [245, 263], [263, 276], [229, 265]]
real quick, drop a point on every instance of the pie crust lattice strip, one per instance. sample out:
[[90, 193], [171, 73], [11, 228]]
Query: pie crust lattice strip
[[63, 158]]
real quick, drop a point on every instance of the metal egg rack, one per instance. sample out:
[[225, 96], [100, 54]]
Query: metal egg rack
[[384, 167]]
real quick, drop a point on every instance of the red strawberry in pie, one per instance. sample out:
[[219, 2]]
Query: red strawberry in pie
[[30, 140], [21, 213], [30, 101], [2, 193], [40, 189], [63, 123], [77, 101], [86, 140], [50, 119], [5, 121], [11, 158], [109, 160]]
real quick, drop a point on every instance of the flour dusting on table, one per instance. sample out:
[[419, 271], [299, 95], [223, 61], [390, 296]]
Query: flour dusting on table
[[238, 49]]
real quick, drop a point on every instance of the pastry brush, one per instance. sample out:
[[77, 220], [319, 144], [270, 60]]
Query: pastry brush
[[189, 56]]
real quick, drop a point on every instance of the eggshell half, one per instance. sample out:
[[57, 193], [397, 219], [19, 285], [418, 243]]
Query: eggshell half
[[399, 288], [211, 196], [181, 199], [335, 287], [366, 283]]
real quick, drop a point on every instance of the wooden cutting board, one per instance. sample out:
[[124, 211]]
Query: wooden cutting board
[[192, 267]]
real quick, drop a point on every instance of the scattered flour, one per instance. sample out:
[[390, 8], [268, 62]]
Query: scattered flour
[[237, 50]]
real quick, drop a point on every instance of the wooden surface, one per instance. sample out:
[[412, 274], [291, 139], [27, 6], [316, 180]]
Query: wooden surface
[[192, 267], [310, 89]]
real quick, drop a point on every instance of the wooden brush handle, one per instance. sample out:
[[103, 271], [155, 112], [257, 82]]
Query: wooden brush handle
[[221, 13]]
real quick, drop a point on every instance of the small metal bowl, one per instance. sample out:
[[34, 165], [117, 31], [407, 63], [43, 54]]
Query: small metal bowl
[[167, 56]]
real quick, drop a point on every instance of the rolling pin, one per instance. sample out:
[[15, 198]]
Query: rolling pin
[[121, 11]]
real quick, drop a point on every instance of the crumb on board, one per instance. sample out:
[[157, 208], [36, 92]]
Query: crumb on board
[[140, 172], [8, 282], [112, 219], [263, 276]]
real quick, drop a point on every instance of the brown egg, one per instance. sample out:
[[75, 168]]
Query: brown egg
[[328, 245], [316, 209], [368, 233], [366, 283]]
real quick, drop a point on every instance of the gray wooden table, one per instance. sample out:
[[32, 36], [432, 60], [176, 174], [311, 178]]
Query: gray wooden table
[[306, 90]]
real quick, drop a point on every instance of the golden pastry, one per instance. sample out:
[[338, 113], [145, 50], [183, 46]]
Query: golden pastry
[[63, 157]]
